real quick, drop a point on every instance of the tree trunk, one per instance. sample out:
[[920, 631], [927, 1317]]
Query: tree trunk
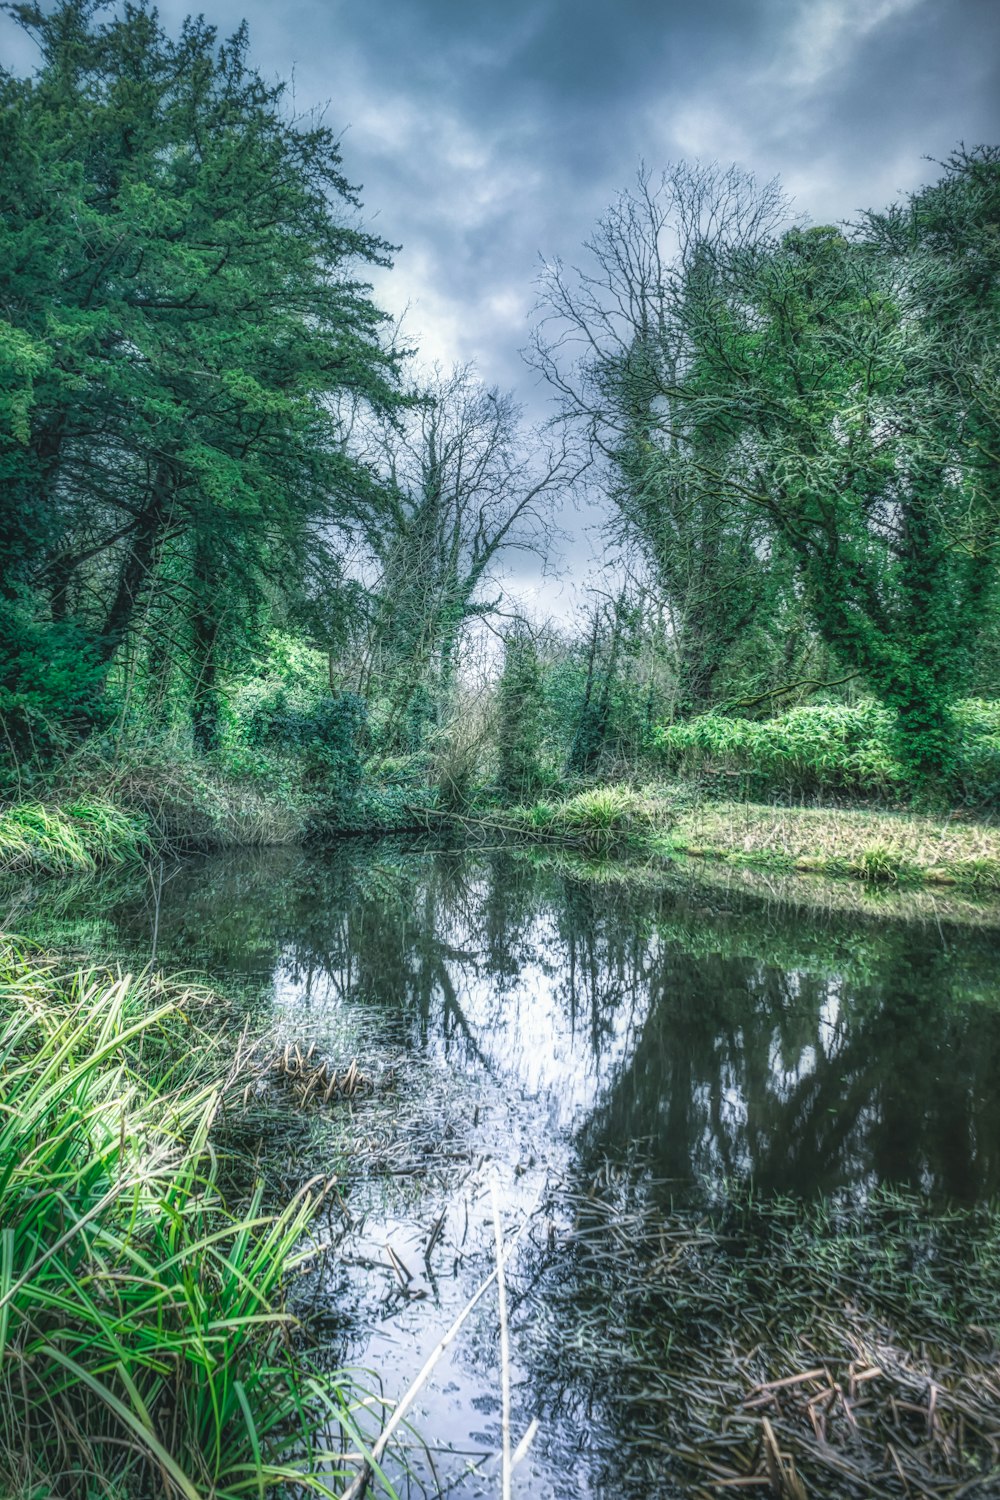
[[137, 565]]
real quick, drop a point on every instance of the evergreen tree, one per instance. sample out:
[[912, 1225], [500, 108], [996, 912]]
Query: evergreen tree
[[180, 300]]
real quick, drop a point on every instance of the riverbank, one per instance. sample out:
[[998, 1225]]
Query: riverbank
[[892, 848], [77, 833]]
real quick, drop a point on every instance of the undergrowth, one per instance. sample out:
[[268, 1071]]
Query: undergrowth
[[828, 750]]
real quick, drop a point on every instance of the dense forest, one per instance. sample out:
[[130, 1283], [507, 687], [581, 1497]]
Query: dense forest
[[248, 540]]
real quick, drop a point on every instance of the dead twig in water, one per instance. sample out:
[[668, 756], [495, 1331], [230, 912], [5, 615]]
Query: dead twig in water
[[504, 1346], [359, 1484]]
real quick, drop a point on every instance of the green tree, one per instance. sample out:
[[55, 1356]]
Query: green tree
[[180, 299], [860, 374], [519, 703]]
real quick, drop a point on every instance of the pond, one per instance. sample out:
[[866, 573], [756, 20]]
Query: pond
[[573, 1050]]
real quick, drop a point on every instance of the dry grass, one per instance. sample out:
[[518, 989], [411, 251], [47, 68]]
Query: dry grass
[[872, 846]]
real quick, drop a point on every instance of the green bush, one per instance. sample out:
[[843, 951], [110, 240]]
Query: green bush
[[51, 694], [827, 749], [824, 748]]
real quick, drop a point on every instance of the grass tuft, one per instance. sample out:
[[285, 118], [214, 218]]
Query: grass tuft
[[74, 838], [145, 1345]]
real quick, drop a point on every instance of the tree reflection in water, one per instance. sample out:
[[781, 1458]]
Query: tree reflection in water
[[801, 1049]]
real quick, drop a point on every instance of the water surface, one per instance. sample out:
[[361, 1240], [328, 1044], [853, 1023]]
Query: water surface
[[529, 1032]]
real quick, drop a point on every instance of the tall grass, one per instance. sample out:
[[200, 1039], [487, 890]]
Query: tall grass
[[75, 837], [145, 1345], [597, 819]]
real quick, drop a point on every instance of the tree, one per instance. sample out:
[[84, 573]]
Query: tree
[[180, 303], [519, 702], [616, 340], [466, 488], [859, 372]]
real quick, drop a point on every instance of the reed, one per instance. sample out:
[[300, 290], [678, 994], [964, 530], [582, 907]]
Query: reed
[[146, 1347]]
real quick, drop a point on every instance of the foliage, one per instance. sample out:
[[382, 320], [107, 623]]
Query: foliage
[[828, 749], [804, 425], [50, 692], [614, 337], [598, 818], [143, 1334], [518, 714], [182, 312], [820, 748]]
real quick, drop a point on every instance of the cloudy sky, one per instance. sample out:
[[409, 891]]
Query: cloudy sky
[[486, 135]]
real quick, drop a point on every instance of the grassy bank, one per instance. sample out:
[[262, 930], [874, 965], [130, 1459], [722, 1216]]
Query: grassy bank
[[877, 847], [890, 848], [145, 1342]]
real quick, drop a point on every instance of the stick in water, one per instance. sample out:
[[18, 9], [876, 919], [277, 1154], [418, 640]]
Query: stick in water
[[504, 1344], [359, 1483]]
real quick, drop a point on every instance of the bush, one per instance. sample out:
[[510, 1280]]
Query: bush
[[828, 749], [51, 694], [824, 748], [597, 819]]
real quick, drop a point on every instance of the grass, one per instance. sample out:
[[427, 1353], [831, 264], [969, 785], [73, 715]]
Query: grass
[[879, 848], [598, 819], [188, 801], [74, 838], [146, 1348]]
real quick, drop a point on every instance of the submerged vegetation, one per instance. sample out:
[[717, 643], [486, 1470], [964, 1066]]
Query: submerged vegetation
[[822, 1350]]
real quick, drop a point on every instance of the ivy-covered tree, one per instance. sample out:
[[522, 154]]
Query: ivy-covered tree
[[179, 302], [860, 373], [617, 341], [519, 704]]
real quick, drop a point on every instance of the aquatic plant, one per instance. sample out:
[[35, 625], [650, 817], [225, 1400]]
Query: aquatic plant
[[827, 1349]]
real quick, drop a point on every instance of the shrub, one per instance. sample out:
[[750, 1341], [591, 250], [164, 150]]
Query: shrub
[[51, 694], [828, 748], [597, 818]]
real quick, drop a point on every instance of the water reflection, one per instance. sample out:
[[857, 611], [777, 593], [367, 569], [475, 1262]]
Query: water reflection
[[730, 1039]]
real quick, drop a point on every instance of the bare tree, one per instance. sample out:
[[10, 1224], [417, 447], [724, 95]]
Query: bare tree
[[616, 338], [466, 489]]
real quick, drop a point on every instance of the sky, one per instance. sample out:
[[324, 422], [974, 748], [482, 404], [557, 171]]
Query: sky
[[486, 136]]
